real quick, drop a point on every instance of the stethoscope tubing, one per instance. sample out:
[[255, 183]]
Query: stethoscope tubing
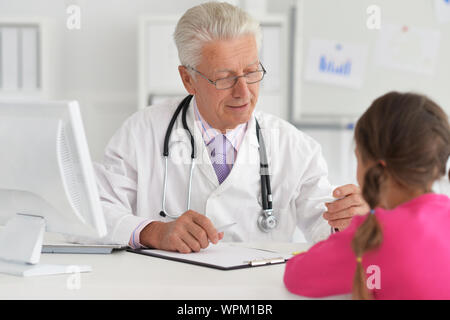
[[182, 106], [266, 192]]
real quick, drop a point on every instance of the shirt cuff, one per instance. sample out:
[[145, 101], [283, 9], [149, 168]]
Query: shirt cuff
[[135, 235]]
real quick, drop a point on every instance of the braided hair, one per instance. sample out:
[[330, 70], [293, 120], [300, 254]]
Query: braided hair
[[407, 136]]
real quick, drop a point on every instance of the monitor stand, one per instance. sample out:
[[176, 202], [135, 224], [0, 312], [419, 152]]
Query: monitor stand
[[20, 248]]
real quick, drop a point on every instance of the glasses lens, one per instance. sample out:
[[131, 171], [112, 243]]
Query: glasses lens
[[225, 83], [256, 76], [251, 77]]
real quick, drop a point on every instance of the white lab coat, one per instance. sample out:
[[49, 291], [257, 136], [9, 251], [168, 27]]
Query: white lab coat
[[131, 177]]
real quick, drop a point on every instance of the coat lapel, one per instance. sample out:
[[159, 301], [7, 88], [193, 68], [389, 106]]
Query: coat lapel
[[203, 161]]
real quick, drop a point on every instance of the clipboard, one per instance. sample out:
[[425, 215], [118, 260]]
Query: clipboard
[[222, 256], [81, 248]]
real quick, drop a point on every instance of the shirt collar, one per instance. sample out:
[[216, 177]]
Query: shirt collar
[[235, 135]]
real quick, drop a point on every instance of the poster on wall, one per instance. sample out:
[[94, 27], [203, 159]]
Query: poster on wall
[[442, 10], [336, 63], [408, 48]]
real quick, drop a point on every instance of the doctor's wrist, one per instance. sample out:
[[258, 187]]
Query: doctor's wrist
[[150, 235]]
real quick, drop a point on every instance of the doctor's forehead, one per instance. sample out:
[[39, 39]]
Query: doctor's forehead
[[255, 63], [230, 55]]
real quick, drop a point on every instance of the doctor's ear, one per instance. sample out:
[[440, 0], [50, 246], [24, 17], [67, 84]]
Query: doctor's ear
[[187, 79]]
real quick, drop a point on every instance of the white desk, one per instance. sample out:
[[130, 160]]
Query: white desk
[[125, 275]]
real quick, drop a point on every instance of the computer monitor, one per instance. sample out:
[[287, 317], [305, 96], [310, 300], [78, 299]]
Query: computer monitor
[[47, 183]]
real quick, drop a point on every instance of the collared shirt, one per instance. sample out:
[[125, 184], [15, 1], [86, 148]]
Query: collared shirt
[[234, 136]]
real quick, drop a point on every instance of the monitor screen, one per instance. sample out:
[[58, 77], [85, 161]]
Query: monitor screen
[[45, 172]]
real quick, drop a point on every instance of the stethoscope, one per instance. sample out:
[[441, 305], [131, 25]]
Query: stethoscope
[[266, 221]]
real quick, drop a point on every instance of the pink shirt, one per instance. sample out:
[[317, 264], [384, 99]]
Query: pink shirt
[[413, 259]]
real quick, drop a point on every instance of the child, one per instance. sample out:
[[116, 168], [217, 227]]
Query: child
[[401, 249]]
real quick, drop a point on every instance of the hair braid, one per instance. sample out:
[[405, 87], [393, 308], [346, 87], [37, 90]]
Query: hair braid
[[369, 235]]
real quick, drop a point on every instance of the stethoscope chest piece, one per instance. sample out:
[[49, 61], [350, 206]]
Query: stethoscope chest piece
[[267, 221]]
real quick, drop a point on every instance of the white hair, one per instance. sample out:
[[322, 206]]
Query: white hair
[[211, 21]]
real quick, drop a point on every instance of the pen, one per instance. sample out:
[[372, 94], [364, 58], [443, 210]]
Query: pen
[[225, 227]]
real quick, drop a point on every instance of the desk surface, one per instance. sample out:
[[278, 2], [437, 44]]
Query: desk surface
[[126, 275]]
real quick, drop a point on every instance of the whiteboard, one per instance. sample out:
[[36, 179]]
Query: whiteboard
[[344, 21]]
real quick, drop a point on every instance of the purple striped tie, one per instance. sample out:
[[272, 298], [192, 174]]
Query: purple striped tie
[[218, 150]]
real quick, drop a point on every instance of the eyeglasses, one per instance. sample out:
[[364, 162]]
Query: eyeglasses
[[229, 82]]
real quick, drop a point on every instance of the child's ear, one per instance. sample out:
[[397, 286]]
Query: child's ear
[[187, 79]]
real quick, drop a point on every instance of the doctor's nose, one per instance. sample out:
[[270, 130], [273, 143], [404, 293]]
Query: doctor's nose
[[240, 89]]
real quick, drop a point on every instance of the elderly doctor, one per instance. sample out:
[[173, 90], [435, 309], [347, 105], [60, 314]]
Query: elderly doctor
[[145, 205]]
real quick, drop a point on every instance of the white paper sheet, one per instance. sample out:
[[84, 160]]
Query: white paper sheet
[[337, 63], [162, 59], [408, 48], [30, 58], [222, 255], [442, 10], [9, 58], [271, 58]]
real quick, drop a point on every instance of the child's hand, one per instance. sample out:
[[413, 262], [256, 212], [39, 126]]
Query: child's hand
[[351, 203]]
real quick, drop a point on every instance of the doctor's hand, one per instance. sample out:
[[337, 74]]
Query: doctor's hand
[[350, 203], [191, 232]]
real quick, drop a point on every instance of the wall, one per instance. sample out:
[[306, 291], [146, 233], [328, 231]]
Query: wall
[[97, 65]]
